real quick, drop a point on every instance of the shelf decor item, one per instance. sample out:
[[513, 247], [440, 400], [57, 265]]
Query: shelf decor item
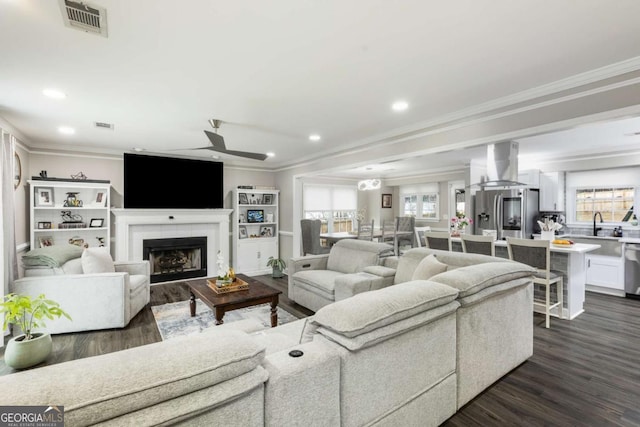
[[29, 348], [72, 200]]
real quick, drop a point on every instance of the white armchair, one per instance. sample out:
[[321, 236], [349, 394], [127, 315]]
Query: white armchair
[[95, 300]]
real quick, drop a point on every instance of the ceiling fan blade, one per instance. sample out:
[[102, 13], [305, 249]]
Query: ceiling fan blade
[[256, 156], [216, 140]]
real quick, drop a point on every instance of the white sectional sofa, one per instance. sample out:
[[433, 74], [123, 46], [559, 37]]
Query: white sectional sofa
[[408, 354]]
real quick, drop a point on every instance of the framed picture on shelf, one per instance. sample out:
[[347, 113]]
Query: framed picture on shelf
[[242, 199], [44, 225], [266, 231], [45, 241], [386, 200], [242, 232], [96, 222], [255, 215], [101, 199], [44, 196], [267, 199]]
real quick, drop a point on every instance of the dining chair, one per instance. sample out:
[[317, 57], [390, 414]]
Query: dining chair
[[311, 244], [438, 240], [485, 245], [419, 232], [537, 254], [365, 230], [389, 234], [405, 230]]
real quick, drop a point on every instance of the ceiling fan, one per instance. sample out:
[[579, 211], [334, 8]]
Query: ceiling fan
[[218, 145]]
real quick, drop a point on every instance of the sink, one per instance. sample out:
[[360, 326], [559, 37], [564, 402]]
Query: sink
[[609, 245]]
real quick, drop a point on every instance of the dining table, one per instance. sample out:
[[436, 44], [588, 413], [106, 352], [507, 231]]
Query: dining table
[[334, 237]]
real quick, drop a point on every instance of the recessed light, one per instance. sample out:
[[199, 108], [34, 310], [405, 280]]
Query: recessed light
[[66, 130], [54, 93], [138, 149], [315, 137], [215, 157], [270, 154], [399, 106]]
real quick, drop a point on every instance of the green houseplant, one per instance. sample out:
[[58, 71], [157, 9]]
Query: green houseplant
[[29, 348], [277, 265]]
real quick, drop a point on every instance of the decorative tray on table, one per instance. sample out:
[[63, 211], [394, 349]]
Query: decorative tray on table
[[236, 285]]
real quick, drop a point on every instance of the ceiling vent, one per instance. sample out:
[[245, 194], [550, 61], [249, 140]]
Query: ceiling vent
[[102, 125], [84, 17]]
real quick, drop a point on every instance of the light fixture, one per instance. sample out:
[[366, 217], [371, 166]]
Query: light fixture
[[314, 137], [369, 184], [66, 130], [399, 106], [270, 154], [138, 149], [54, 93]]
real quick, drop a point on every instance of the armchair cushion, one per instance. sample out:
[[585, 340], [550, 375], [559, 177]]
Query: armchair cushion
[[97, 260], [51, 256]]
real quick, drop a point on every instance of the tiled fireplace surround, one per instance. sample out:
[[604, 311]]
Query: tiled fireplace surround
[[132, 226]]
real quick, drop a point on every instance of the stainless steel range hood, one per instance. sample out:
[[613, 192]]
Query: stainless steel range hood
[[502, 165]]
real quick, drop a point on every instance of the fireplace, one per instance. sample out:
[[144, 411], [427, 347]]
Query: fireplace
[[176, 258]]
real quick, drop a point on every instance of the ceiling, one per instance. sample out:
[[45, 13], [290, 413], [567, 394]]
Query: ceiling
[[275, 73]]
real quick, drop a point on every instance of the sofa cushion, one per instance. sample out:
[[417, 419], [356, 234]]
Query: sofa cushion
[[73, 266], [351, 255], [428, 267], [51, 256], [322, 281], [129, 380], [474, 278], [371, 310], [97, 260]]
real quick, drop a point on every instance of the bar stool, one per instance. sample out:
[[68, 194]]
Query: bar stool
[[537, 254], [438, 240], [484, 245]]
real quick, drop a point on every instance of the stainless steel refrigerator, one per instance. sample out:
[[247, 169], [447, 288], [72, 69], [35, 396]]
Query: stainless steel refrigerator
[[511, 212]]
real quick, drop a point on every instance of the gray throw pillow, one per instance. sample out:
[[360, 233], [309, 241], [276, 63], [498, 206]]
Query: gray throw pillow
[[428, 267]]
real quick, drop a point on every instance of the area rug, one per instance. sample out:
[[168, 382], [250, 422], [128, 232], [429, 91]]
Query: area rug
[[173, 319]]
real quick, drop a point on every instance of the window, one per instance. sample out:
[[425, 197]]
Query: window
[[333, 204], [421, 205], [613, 203]]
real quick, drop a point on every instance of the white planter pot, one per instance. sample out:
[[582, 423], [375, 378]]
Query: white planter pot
[[547, 235], [21, 354]]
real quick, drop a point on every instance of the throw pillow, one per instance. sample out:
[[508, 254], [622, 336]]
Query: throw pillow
[[97, 260], [428, 267]]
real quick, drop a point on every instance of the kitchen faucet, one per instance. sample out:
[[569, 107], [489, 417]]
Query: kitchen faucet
[[595, 230]]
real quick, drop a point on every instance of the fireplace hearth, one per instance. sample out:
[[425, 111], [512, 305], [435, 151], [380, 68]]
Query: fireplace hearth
[[176, 258]]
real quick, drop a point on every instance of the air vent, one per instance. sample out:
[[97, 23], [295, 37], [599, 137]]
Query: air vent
[[103, 125], [84, 17]]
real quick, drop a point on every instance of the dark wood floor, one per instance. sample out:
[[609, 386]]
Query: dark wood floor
[[584, 372]]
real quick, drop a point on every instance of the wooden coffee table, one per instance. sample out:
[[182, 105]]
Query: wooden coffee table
[[258, 293]]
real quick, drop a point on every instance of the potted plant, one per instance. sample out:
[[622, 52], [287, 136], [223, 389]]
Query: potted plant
[[29, 348], [278, 265]]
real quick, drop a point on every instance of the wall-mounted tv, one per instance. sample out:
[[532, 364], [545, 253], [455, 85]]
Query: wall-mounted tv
[[255, 215], [155, 182]]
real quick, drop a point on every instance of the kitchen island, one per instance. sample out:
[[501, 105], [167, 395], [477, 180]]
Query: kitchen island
[[570, 260]]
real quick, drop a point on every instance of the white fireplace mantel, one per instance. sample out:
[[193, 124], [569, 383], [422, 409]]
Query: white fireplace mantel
[[132, 226]]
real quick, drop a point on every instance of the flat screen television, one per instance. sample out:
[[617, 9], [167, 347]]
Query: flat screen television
[[255, 215], [155, 182]]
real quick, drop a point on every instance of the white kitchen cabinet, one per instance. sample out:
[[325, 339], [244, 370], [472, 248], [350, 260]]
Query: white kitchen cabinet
[[552, 191], [530, 177], [69, 211], [605, 272], [255, 230]]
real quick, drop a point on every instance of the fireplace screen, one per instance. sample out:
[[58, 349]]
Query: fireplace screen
[[177, 258]]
